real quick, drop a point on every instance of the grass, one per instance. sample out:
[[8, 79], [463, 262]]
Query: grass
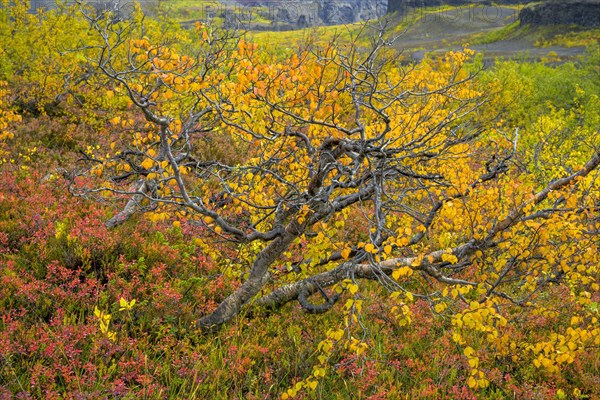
[[575, 38], [509, 31], [296, 38], [359, 31]]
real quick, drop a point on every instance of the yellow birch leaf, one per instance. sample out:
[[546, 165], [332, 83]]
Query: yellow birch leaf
[[468, 351], [353, 288], [472, 382], [346, 253], [147, 163]]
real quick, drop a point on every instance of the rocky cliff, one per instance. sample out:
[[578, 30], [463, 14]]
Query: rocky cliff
[[319, 12], [339, 11], [574, 12]]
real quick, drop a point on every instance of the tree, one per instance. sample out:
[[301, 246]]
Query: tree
[[38, 76], [343, 165]]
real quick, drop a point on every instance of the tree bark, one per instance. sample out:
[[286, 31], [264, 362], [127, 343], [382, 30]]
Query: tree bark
[[131, 207], [259, 275]]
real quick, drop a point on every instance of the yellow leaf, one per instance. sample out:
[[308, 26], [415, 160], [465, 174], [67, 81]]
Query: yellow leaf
[[472, 382], [572, 346], [358, 306], [346, 253], [353, 288], [387, 249], [457, 338], [349, 304], [451, 258], [147, 163], [337, 335], [468, 351], [370, 248], [402, 271], [97, 171]]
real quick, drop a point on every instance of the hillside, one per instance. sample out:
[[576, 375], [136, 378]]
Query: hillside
[[406, 5], [494, 31]]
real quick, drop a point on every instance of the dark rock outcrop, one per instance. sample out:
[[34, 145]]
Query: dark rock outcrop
[[575, 12], [402, 6]]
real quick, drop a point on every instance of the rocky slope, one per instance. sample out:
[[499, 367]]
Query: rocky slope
[[575, 12], [404, 5]]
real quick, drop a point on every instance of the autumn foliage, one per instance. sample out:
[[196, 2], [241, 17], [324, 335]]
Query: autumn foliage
[[185, 215]]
